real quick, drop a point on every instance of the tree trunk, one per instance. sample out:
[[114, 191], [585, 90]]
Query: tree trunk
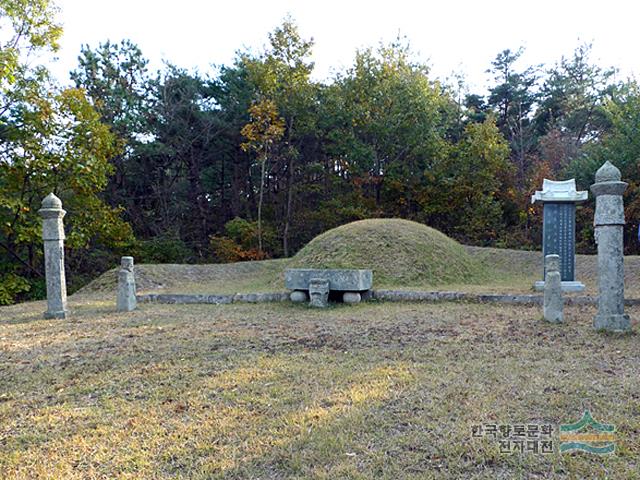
[[197, 196], [236, 187], [260, 199], [223, 204], [287, 221]]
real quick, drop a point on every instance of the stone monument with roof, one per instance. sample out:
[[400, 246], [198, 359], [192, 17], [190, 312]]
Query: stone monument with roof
[[559, 200]]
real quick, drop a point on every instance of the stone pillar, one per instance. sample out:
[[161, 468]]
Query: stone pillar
[[553, 303], [559, 201], [53, 236], [609, 224], [126, 300]]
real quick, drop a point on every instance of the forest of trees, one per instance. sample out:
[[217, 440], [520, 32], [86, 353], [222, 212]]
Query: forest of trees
[[252, 160]]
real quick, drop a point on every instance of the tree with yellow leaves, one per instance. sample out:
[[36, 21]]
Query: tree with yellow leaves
[[264, 129]]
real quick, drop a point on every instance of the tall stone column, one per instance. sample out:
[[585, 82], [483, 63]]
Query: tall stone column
[[53, 236], [609, 224]]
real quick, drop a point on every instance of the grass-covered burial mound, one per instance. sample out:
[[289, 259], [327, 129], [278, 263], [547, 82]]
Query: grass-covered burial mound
[[399, 252]]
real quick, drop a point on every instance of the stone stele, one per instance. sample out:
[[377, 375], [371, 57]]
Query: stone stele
[[126, 299], [609, 224], [553, 303], [53, 236], [559, 199]]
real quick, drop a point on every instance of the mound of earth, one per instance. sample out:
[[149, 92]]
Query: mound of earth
[[399, 252], [214, 278]]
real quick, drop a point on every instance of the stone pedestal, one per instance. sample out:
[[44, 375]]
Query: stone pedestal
[[351, 297], [553, 303], [319, 292], [126, 300], [609, 225], [53, 237], [299, 296], [559, 201]]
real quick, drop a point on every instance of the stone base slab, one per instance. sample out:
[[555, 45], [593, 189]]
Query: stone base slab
[[51, 315], [612, 323], [566, 286]]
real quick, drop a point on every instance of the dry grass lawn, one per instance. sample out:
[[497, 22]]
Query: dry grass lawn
[[277, 391]]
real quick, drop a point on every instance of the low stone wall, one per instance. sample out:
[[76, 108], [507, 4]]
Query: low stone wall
[[417, 296], [422, 296], [174, 298], [512, 299], [382, 295]]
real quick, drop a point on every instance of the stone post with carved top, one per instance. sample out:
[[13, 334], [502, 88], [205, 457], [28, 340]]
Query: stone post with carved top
[[609, 225], [53, 236]]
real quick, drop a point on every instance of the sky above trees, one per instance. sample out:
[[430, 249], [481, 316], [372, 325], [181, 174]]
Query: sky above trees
[[458, 36]]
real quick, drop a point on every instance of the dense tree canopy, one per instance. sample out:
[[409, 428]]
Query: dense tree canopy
[[252, 160], [51, 140]]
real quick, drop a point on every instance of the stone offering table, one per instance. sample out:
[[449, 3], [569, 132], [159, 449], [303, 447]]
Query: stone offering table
[[315, 285]]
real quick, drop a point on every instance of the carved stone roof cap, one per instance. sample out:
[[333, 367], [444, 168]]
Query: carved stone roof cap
[[608, 173], [559, 191], [51, 202]]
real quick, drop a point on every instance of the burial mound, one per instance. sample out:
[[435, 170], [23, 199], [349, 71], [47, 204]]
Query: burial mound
[[399, 252]]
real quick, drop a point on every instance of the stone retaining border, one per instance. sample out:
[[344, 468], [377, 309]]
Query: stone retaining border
[[383, 295], [174, 298], [513, 299]]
